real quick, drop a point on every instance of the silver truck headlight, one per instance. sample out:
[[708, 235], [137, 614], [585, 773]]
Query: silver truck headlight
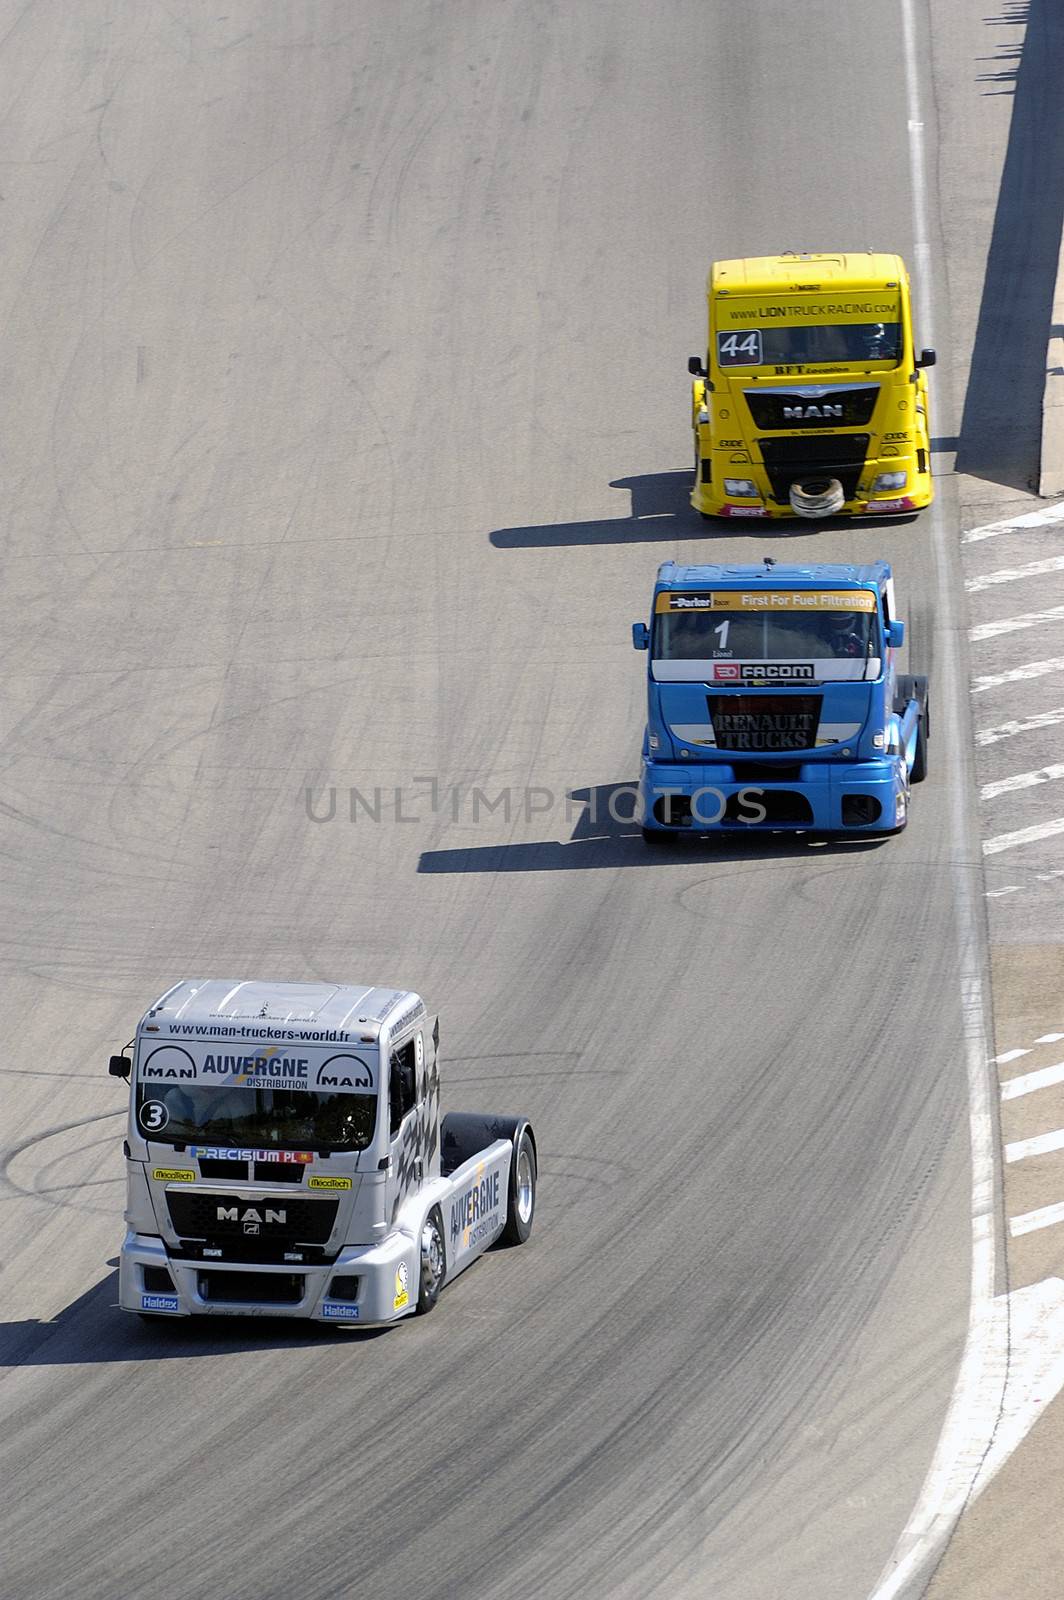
[[889, 480], [741, 486]]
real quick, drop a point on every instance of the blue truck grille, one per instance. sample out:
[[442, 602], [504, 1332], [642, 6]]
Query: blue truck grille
[[764, 723]]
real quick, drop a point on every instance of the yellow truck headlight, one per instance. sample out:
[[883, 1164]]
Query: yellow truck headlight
[[741, 486], [889, 480]]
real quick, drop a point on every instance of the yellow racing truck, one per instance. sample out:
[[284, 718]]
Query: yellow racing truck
[[812, 399]]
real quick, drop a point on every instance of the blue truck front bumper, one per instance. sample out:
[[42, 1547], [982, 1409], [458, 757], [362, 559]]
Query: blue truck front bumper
[[813, 796]]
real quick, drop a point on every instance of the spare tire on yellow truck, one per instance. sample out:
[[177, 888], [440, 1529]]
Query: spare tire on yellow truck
[[812, 399]]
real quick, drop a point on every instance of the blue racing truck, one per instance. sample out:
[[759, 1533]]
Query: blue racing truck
[[774, 703]]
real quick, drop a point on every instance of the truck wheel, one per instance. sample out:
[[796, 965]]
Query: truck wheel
[[433, 1263], [923, 731], [522, 1203], [919, 771]]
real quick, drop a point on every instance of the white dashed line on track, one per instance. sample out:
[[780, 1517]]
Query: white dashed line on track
[[1029, 1082], [1031, 1221], [1042, 1144], [1008, 730], [1030, 569], [1028, 619], [1032, 519], [1022, 780], [1010, 841], [1033, 669]]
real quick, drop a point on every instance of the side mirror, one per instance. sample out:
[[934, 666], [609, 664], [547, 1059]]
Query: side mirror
[[640, 636], [895, 634], [927, 358], [118, 1066], [695, 367]]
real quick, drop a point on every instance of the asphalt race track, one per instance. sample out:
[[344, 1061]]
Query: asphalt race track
[[345, 420]]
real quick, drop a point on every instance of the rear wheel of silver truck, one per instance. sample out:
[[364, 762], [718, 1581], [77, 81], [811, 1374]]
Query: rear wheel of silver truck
[[522, 1205]]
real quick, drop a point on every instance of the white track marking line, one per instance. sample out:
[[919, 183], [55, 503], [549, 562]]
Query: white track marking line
[[1050, 1038], [1028, 619], [1022, 780], [1028, 1082], [1010, 841], [975, 1404], [1035, 1373], [1030, 519], [1031, 1221], [1030, 569], [1010, 888], [1033, 669], [1008, 730], [1042, 1144], [1010, 1055]]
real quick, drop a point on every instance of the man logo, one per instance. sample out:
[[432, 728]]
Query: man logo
[[344, 1072], [168, 1061], [808, 413], [250, 1217]]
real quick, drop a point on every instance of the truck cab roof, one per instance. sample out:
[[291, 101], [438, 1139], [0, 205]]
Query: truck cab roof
[[834, 575], [792, 272], [205, 1005]]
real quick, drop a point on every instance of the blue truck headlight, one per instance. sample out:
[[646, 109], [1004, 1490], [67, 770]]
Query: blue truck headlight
[[743, 486], [889, 480]]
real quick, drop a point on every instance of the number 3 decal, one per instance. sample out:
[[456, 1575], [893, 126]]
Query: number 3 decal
[[739, 349], [153, 1116]]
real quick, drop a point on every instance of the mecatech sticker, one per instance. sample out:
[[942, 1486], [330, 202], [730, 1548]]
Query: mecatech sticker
[[328, 1183], [173, 1175]]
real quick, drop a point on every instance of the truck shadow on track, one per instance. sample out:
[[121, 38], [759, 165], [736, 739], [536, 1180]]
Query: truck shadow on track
[[1000, 435], [92, 1330], [661, 510], [606, 836]]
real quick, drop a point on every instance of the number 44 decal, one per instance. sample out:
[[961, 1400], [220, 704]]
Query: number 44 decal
[[739, 349]]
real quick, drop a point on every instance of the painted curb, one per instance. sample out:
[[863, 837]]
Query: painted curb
[[1051, 477]]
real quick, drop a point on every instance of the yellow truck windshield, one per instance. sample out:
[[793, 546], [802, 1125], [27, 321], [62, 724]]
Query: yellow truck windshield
[[849, 343]]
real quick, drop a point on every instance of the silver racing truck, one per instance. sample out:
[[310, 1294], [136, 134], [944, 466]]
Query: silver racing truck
[[285, 1157]]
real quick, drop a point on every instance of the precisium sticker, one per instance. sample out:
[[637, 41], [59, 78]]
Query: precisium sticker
[[217, 1152]]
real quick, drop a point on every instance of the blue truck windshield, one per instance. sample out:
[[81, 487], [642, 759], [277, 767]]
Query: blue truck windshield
[[185, 1113], [764, 635]]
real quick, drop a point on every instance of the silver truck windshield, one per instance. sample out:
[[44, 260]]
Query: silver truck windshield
[[756, 635], [186, 1113]]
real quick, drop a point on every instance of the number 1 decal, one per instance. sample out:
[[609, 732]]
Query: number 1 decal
[[722, 630], [739, 349]]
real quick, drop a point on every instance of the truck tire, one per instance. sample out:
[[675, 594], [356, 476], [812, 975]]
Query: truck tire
[[433, 1264], [914, 687], [521, 1206], [923, 732]]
